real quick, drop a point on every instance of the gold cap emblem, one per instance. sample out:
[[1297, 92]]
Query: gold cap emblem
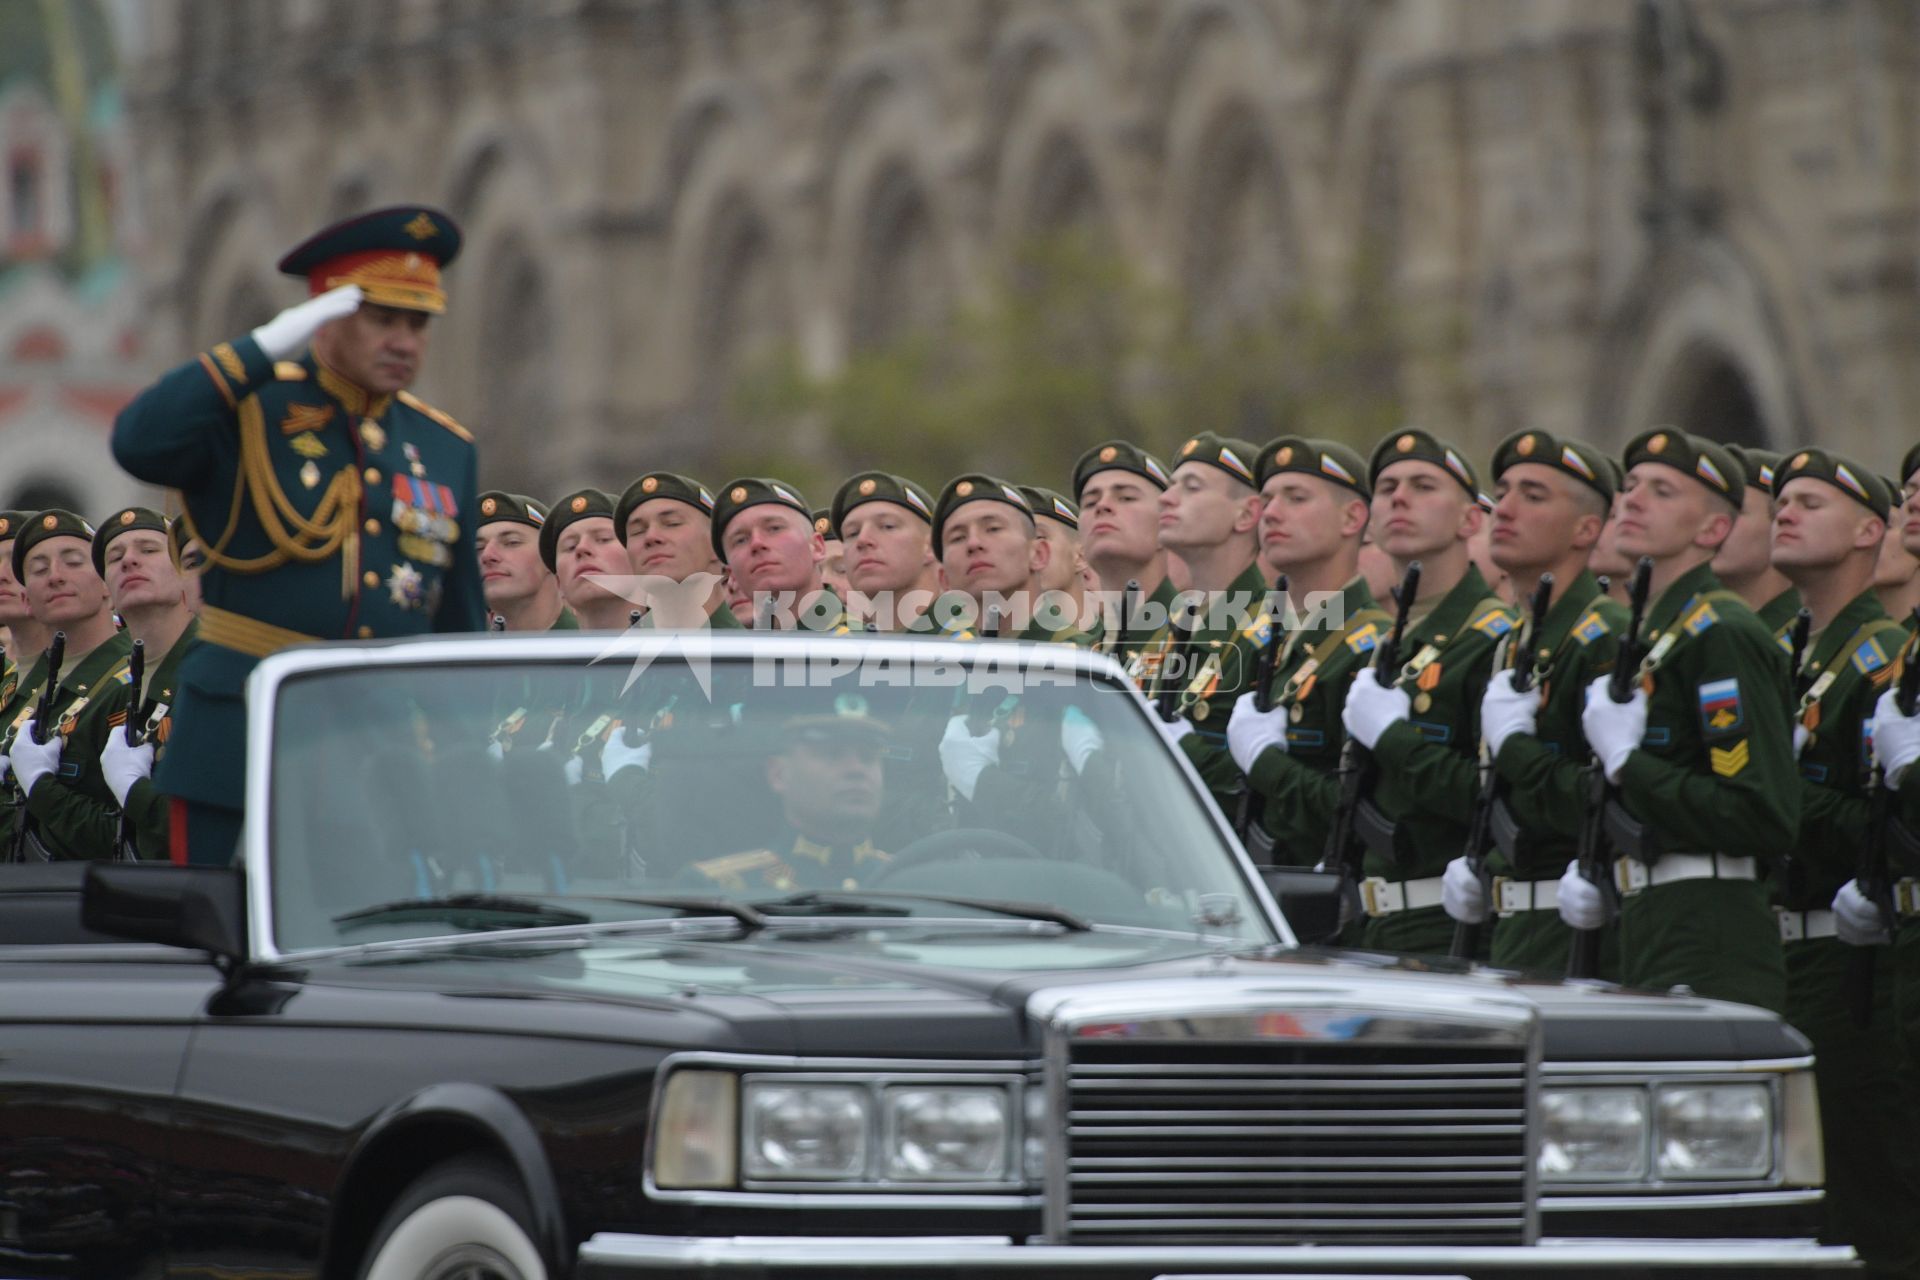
[[1404, 444], [964, 488], [867, 486], [1285, 455], [650, 484], [1189, 447], [1799, 462], [1658, 444], [490, 506], [48, 521], [1109, 453], [127, 517], [739, 493], [1525, 447], [579, 504]]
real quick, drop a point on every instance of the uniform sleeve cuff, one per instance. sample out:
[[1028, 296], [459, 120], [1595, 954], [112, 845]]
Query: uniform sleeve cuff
[[1268, 767], [1516, 753], [237, 368], [1399, 741], [1638, 772]]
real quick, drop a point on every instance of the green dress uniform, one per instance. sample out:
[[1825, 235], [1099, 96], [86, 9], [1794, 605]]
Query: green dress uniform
[[327, 511], [1545, 783], [1314, 667], [71, 814], [1777, 614], [147, 816], [1428, 766], [823, 612], [21, 695], [1125, 643]]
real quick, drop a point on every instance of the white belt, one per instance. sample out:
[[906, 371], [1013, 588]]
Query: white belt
[[1906, 897], [1796, 926], [1384, 897], [1632, 875], [1513, 896]]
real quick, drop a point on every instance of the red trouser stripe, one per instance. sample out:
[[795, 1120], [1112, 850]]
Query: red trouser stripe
[[177, 830]]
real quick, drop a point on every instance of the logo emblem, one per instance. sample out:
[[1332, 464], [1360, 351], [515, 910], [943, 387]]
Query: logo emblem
[[1285, 455], [1404, 444], [1658, 444], [650, 484], [490, 506], [1189, 447], [422, 227], [1525, 447], [127, 517], [964, 488], [1800, 460], [578, 505], [739, 493], [1109, 453], [867, 487], [48, 521]]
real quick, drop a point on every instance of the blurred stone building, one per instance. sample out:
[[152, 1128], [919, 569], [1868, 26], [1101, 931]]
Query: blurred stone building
[[1696, 211]]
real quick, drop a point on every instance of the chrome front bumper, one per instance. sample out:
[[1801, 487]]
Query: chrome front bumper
[[607, 1256]]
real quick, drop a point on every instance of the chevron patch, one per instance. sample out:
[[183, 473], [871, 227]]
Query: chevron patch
[[308, 445], [1728, 761], [305, 417]]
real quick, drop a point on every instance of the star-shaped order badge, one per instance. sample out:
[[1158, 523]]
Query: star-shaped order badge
[[403, 585]]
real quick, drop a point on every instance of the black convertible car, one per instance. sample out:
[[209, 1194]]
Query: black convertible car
[[766, 956]]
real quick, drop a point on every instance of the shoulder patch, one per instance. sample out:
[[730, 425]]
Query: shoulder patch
[[1870, 657], [1590, 628], [1720, 709], [1494, 622], [1700, 619], [1364, 638], [1260, 631], [415, 402], [289, 371]]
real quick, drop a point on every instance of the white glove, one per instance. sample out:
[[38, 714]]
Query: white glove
[[1800, 736], [1613, 729], [1174, 730], [122, 765], [32, 760], [617, 755], [1371, 708], [575, 769], [287, 334], [1896, 738], [1462, 894], [1079, 738], [1250, 731], [1504, 713], [496, 751], [1582, 905], [965, 757], [1858, 919]]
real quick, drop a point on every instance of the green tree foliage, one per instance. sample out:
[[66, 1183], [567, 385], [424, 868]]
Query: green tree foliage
[[1069, 343]]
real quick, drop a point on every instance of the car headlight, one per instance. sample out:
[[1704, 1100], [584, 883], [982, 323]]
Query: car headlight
[[810, 1131], [1713, 1131], [947, 1133], [1597, 1134], [696, 1142]]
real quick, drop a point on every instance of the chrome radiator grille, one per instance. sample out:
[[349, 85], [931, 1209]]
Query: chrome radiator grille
[[1177, 1143]]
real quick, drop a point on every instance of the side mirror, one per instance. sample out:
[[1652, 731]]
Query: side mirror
[[1309, 899], [203, 908]]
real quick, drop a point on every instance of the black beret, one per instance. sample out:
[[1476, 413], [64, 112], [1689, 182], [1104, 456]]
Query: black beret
[[879, 486], [1054, 506], [974, 487], [1850, 478], [660, 484], [1421, 446], [1118, 455], [1704, 460], [1574, 458], [753, 491], [516, 508], [1759, 466], [125, 520], [42, 525], [1233, 456], [581, 504], [1323, 459]]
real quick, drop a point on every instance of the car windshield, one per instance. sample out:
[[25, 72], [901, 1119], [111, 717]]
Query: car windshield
[[419, 799]]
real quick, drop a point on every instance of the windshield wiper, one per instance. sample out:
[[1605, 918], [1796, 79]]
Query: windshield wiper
[[476, 911], [749, 919], [856, 901]]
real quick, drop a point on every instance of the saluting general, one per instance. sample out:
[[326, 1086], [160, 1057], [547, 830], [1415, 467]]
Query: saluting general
[[332, 503]]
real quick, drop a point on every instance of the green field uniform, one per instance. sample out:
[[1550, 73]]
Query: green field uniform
[[1128, 647], [1869, 1105], [1777, 614], [1124, 644], [1314, 668], [146, 803], [1546, 780], [71, 814], [1427, 763], [1714, 774], [21, 695]]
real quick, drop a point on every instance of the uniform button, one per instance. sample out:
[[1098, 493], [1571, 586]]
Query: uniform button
[[372, 474], [366, 633], [371, 578], [371, 526]]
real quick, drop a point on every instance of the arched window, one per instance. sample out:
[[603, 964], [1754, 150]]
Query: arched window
[[516, 365], [1241, 258], [900, 283]]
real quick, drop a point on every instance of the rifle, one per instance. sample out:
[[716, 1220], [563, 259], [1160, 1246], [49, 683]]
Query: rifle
[[982, 705], [43, 712], [1583, 957], [136, 681], [1358, 773], [1466, 937], [1179, 642], [1797, 637], [1876, 880], [1252, 806], [1128, 607], [498, 622]]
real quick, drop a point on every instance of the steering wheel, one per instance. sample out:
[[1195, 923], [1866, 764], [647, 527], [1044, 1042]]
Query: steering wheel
[[941, 846]]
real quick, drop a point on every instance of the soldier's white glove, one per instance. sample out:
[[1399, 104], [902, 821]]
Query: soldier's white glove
[[1613, 729], [575, 770], [1800, 736], [496, 751], [1504, 712], [32, 760], [1079, 738], [122, 765], [965, 757], [1896, 738], [1174, 730], [1462, 894], [617, 755], [1372, 708], [1582, 905], [1857, 919], [287, 334], [1250, 731]]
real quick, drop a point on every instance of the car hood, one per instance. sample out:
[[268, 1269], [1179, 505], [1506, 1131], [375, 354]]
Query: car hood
[[912, 989]]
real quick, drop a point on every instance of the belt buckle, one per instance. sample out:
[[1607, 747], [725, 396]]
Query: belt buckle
[[1793, 925], [1370, 896], [1630, 874], [1498, 893], [1906, 901]]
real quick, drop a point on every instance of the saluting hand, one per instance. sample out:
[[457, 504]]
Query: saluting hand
[[288, 333]]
